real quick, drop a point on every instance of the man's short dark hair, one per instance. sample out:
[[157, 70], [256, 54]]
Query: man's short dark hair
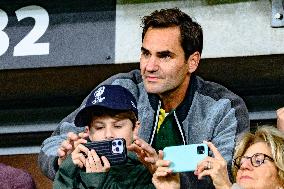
[[191, 32]]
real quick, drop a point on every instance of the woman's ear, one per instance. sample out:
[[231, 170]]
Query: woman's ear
[[193, 62]]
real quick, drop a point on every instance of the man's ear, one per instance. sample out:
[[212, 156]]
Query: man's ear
[[136, 128], [193, 61]]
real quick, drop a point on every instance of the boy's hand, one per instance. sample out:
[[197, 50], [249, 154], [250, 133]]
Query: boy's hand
[[145, 153], [78, 155], [68, 145], [95, 164], [280, 119]]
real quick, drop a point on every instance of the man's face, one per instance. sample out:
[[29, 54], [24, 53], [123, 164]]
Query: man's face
[[106, 127], [162, 62]]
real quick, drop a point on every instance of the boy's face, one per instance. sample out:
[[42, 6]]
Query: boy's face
[[106, 127]]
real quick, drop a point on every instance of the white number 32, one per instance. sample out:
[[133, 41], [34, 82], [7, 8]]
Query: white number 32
[[27, 46]]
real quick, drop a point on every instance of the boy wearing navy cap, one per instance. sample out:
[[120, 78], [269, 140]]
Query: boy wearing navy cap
[[110, 112]]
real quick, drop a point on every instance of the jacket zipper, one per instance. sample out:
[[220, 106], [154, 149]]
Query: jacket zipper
[[156, 124]]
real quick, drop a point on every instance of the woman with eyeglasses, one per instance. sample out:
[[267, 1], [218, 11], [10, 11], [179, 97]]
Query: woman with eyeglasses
[[258, 164]]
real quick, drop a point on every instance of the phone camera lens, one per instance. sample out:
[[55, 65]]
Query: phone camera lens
[[117, 149], [114, 143], [200, 150], [119, 143]]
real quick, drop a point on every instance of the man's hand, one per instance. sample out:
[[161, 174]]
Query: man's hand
[[280, 119], [145, 153], [68, 145]]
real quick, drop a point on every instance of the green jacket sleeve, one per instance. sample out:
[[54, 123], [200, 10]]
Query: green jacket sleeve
[[66, 175], [93, 180]]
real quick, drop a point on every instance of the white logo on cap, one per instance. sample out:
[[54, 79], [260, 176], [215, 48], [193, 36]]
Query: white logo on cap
[[98, 95], [132, 103]]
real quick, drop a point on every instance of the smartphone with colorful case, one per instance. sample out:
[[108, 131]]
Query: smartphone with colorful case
[[114, 150]]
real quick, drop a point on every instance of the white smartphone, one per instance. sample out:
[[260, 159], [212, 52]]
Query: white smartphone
[[185, 158]]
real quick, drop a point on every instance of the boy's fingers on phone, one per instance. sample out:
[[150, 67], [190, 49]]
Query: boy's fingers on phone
[[78, 159], [95, 165], [95, 157], [65, 145], [82, 148], [82, 157], [83, 135], [76, 143], [89, 164], [80, 141], [106, 163], [72, 136], [78, 163], [61, 153]]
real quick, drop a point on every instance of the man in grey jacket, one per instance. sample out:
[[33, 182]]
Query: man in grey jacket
[[175, 106]]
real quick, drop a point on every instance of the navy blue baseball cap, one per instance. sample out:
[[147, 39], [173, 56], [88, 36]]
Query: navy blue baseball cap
[[113, 97]]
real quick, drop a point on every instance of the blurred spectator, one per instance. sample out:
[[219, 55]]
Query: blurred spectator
[[13, 178]]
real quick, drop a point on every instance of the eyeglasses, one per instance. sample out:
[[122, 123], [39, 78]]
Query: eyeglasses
[[256, 160]]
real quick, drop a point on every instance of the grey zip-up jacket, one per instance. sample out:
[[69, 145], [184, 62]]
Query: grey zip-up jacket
[[208, 112]]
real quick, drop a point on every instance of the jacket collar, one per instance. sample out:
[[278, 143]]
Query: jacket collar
[[183, 108]]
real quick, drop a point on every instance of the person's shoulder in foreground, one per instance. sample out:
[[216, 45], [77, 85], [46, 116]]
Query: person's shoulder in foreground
[[11, 177]]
